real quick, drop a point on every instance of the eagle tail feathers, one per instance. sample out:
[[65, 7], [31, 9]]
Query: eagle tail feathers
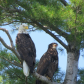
[[25, 69]]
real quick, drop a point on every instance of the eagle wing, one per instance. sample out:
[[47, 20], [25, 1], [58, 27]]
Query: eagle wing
[[26, 49], [43, 64], [48, 64], [53, 67]]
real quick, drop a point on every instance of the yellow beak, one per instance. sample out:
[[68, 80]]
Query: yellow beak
[[26, 27]]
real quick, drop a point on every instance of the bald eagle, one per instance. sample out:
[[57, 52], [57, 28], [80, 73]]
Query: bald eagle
[[26, 48], [48, 64]]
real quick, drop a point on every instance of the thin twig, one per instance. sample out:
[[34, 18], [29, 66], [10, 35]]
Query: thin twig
[[16, 73], [14, 63], [10, 22], [12, 47], [11, 41]]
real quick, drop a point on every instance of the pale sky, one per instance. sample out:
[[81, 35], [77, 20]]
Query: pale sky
[[42, 40]]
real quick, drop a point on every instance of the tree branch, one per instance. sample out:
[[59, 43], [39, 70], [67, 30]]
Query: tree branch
[[64, 2], [60, 32], [14, 63], [12, 48], [2, 41], [16, 73], [10, 22], [6, 31], [50, 33], [44, 79], [8, 9]]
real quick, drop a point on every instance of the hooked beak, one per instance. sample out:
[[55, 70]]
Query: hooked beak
[[26, 27], [55, 45]]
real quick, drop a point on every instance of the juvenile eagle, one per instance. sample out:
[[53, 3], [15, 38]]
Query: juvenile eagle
[[48, 64], [26, 48]]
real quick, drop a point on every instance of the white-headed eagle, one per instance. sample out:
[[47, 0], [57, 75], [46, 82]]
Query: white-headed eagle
[[26, 48], [48, 64]]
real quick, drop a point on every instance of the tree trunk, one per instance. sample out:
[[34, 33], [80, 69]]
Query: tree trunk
[[72, 67]]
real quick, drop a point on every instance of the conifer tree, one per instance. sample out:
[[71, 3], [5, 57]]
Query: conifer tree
[[65, 19]]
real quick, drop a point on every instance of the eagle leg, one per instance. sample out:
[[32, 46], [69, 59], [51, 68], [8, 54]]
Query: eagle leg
[[48, 77], [26, 80]]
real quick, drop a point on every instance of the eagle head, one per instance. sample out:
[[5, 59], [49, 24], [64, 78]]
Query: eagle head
[[53, 45], [23, 28]]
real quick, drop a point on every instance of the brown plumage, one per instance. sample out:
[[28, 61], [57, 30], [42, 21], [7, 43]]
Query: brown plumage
[[48, 64], [26, 48]]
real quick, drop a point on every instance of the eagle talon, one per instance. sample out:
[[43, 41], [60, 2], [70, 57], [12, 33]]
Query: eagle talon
[[48, 77]]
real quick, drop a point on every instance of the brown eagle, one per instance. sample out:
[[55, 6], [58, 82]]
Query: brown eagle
[[48, 64], [26, 48]]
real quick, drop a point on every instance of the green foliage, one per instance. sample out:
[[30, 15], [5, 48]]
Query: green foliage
[[80, 76], [51, 13], [11, 73], [1, 79], [7, 56], [58, 76]]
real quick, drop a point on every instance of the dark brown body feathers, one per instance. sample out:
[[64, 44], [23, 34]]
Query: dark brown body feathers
[[48, 64], [26, 49]]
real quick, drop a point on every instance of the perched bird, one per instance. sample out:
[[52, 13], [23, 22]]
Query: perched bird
[[26, 48], [48, 64]]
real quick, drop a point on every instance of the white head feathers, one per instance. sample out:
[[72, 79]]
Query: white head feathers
[[23, 28]]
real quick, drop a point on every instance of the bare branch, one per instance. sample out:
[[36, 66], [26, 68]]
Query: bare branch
[[59, 31], [12, 48], [44, 79], [50, 33], [6, 31], [8, 47]]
